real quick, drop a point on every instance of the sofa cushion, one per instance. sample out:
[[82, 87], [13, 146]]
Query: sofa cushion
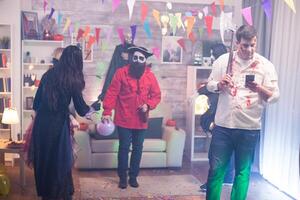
[[108, 146]]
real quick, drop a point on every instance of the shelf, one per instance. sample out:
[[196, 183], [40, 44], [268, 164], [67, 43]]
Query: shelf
[[203, 156], [201, 67], [5, 93], [5, 50], [42, 41], [30, 87], [5, 68], [4, 129]]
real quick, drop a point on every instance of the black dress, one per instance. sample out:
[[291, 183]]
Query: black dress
[[51, 143]]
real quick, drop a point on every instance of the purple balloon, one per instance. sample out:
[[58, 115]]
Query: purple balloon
[[105, 127]]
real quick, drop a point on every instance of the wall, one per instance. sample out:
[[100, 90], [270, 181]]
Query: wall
[[10, 14]]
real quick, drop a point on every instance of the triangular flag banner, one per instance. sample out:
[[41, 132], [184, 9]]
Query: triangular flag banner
[[246, 12], [192, 37], [156, 52], [190, 24], [86, 31], [115, 4], [181, 43], [77, 25], [156, 15], [59, 17], [108, 35], [133, 33], [104, 45], [267, 8], [205, 10], [147, 28], [179, 21], [97, 33], [222, 5], [225, 23], [70, 29], [121, 35], [291, 4], [130, 4], [173, 23], [51, 13], [188, 14], [45, 5], [144, 11], [91, 41], [213, 9], [67, 24], [208, 23], [79, 34], [100, 69]]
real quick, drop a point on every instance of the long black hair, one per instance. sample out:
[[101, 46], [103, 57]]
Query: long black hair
[[65, 78]]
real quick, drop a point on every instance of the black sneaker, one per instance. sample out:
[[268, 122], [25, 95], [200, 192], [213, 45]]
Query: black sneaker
[[203, 187], [123, 183], [133, 182]]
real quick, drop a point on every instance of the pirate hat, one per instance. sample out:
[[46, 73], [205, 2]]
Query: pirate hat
[[143, 50]]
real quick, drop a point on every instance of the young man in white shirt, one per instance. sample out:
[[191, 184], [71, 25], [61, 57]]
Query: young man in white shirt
[[243, 93]]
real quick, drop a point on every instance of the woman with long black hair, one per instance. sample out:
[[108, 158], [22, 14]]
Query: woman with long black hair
[[51, 145]]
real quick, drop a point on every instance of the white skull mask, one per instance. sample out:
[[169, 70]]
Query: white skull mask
[[138, 57]]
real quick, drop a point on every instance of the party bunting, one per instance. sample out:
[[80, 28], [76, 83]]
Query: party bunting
[[77, 25], [130, 4], [192, 37], [156, 52], [173, 23], [86, 31], [205, 10], [179, 21], [59, 17], [208, 23], [97, 33], [246, 12], [79, 34], [51, 13], [181, 43], [121, 35], [213, 9], [45, 5], [291, 4], [156, 15], [91, 41], [70, 29], [222, 5], [133, 32], [67, 24], [147, 28], [115, 5], [267, 8], [188, 14], [144, 11], [190, 24]]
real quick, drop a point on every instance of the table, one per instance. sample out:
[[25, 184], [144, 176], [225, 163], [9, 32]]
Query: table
[[4, 149]]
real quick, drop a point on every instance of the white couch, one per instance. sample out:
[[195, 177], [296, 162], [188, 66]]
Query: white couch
[[157, 153]]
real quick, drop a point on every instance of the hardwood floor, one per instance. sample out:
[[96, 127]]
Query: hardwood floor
[[259, 188]]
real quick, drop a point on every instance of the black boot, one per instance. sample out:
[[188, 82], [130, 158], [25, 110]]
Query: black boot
[[133, 182], [123, 183]]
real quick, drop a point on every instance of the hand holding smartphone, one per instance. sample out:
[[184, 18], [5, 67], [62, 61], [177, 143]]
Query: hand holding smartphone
[[249, 78]]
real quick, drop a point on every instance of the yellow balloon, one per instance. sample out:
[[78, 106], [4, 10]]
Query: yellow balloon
[[4, 185]]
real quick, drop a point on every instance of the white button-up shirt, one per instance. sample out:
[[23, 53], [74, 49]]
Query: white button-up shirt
[[239, 107]]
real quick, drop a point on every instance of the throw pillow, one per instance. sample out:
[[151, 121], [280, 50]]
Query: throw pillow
[[154, 130]]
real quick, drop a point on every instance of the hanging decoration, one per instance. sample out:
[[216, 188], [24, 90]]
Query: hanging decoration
[[45, 5], [156, 15], [173, 23], [192, 37], [208, 23], [190, 24], [115, 5], [213, 9], [79, 34], [181, 43], [222, 5], [91, 41], [87, 31], [246, 12], [51, 13], [156, 52], [144, 12], [121, 35], [133, 32], [97, 34], [291, 4], [147, 28], [67, 24], [59, 18], [130, 4], [267, 8]]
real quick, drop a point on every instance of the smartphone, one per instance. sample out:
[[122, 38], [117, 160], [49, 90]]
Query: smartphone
[[249, 78]]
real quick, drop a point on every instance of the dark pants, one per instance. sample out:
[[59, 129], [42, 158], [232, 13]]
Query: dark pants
[[224, 142], [126, 137]]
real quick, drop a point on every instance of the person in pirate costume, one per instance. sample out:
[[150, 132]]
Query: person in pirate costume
[[133, 92], [244, 90]]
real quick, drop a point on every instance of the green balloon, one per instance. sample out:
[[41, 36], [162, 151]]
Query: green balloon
[[4, 185]]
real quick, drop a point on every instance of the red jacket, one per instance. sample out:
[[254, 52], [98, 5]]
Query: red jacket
[[122, 96]]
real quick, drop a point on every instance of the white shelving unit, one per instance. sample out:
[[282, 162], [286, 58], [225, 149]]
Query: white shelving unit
[[199, 140], [6, 65], [34, 66]]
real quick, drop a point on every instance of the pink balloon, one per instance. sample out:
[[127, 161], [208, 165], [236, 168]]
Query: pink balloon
[[105, 127]]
